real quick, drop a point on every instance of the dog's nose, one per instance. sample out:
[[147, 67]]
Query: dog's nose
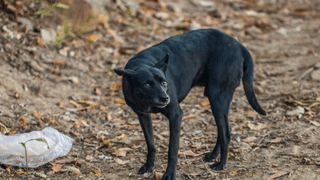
[[164, 99]]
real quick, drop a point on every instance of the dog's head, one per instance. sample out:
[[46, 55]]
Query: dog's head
[[147, 86]]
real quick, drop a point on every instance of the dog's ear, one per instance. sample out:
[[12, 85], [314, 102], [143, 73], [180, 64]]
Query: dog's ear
[[126, 72], [163, 63]]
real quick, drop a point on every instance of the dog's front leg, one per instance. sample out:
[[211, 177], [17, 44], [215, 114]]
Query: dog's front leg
[[146, 125], [174, 122]]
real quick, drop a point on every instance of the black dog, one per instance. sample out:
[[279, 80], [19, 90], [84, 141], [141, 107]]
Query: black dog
[[159, 78]]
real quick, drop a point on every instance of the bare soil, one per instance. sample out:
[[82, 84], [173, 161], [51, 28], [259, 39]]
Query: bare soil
[[72, 88]]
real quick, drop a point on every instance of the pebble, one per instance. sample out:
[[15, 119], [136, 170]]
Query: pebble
[[297, 111]]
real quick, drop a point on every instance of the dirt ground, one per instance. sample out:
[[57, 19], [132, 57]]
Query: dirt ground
[[72, 88]]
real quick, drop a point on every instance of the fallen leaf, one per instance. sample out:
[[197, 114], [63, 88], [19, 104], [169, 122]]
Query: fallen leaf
[[59, 62], [56, 167], [121, 162], [249, 139], [92, 38], [74, 170], [165, 133], [119, 101], [3, 128], [120, 152], [22, 121], [80, 123], [186, 154], [95, 172], [116, 86], [97, 91], [74, 103], [276, 140], [315, 123], [234, 172], [158, 175], [190, 116], [277, 174], [16, 95], [122, 136], [42, 175], [40, 41], [251, 113], [205, 102], [257, 127], [37, 114], [103, 108]]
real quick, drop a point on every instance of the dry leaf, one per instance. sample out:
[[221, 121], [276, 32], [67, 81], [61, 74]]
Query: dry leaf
[[158, 175], [92, 38], [251, 113], [97, 91], [74, 103], [103, 108], [22, 121], [315, 123], [74, 170], [37, 114], [120, 152], [40, 41], [16, 95], [276, 140], [122, 136], [190, 116], [56, 167], [249, 139], [59, 62], [80, 123], [120, 162], [116, 86], [236, 171], [165, 133], [97, 171], [3, 128], [205, 102], [186, 154], [257, 127], [277, 174], [119, 101]]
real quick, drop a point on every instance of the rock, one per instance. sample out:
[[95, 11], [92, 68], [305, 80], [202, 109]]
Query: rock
[[258, 89], [207, 4], [162, 15], [317, 65], [195, 25], [297, 111], [315, 75], [282, 31], [48, 35], [27, 22], [254, 31]]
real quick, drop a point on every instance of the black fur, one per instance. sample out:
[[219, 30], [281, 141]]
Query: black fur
[[159, 78]]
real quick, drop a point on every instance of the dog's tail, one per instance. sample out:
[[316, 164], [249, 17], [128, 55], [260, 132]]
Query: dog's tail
[[247, 81]]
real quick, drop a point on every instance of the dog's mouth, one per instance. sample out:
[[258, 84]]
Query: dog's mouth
[[160, 105]]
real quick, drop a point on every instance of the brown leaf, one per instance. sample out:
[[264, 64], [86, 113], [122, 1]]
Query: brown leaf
[[249, 139], [315, 123], [59, 62], [119, 101], [276, 140], [120, 152], [16, 95], [80, 123], [3, 128], [165, 133], [190, 116], [234, 172], [277, 174], [116, 86], [122, 136], [22, 121], [37, 114], [74, 170], [158, 175], [205, 102], [121, 162], [186, 153], [74, 103], [257, 127], [92, 38], [56, 167], [97, 91], [97, 171], [103, 108]]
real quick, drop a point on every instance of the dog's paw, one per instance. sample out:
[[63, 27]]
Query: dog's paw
[[217, 166], [145, 168], [168, 176], [210, 156]]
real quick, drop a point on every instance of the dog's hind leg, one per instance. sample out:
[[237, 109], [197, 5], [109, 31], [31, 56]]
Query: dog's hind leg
[[146, 125], [220, 102]]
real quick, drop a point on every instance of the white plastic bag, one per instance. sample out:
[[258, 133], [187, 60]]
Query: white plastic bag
[[13, 153]]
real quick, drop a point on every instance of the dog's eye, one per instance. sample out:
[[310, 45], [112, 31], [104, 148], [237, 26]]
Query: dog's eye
[[146, 86], [164, 84]]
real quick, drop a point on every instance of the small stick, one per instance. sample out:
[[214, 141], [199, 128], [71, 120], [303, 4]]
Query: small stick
[[206, 167]]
